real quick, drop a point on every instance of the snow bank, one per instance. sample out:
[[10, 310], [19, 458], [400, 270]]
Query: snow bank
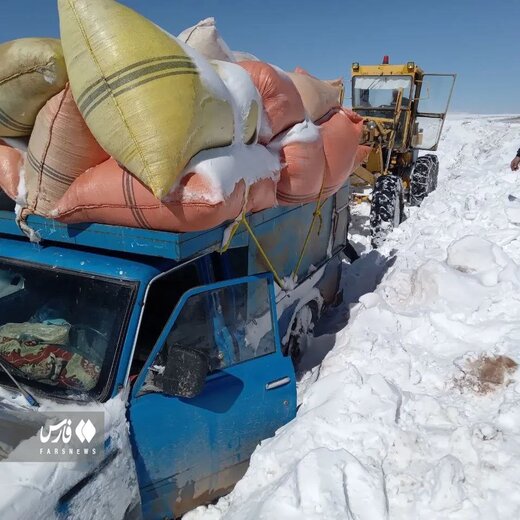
[[415, 412]]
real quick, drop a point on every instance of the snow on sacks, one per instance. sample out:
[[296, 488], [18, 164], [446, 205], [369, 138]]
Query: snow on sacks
[[245, 98], [177, 128]]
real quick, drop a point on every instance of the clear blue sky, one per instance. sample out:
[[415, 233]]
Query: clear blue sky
[[477, 39]]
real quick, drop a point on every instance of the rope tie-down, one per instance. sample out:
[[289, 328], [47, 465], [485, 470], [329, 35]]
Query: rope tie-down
[[241, 219]]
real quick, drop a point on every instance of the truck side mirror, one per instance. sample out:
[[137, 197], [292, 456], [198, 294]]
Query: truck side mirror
[[185, 372]]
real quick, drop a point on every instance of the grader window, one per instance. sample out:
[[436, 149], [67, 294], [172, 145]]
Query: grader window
[[434, 99], [380, 92], [435, 94]]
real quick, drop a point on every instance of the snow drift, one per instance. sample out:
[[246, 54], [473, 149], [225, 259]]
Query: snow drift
[[414, 413]]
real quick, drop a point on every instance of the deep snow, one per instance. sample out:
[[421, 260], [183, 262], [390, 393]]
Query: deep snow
[[412, 414]]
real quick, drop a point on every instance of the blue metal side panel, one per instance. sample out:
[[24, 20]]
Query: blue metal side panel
[[80, 261], [182, 246], [100, 236], [283, 240]]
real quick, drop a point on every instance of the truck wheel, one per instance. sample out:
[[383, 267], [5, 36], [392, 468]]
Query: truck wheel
[[424, 178], [387, 210], [302, 327]]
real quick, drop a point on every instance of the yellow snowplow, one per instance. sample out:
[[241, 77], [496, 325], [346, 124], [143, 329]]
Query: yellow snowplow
[[404, 111]]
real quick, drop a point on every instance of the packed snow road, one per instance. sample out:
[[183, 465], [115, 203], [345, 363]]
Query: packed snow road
[[414, 412]]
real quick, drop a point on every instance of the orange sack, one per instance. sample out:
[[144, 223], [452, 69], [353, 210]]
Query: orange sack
[[262, 195], [108, 194], [60, 149], [282, 103], [11, 162], [303, 165], [341, 134], [319, 97]]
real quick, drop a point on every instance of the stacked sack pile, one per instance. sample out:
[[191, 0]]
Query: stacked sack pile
[[122, 123]]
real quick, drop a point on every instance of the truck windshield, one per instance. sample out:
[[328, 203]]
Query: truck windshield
[[61, 329], [380, 92]]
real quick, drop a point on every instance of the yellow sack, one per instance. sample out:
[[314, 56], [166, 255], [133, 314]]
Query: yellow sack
[[32, 70], [141, 94]]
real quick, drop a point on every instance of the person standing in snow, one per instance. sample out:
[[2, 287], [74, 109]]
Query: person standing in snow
[[515, 163]]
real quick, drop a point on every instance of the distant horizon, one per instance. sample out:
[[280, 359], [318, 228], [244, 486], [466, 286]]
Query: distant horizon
[[465, 113], [475, 39]]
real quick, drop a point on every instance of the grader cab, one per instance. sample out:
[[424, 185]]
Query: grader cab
[[403, 110]]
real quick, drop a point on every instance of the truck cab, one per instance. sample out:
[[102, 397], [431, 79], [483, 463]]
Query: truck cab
[[193, 340]]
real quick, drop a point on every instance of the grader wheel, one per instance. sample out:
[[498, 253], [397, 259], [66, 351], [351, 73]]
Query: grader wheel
[[424, 178], [387, 210]]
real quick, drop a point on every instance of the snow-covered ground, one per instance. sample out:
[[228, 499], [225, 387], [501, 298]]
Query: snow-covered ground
[[414, 412]]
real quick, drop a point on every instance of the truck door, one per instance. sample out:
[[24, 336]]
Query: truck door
[[189, 451], [434, 99]]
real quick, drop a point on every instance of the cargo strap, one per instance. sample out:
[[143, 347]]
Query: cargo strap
[[279, 281], [316, 215], [236, 224], [234, 228], [29, 232], [241, 219]]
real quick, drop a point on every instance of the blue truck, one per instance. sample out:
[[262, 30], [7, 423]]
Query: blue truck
[[197, 341]]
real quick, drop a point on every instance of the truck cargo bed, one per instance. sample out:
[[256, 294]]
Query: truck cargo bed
[[174, 246], [281, 231]]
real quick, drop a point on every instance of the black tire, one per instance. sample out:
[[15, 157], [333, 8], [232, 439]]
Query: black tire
[[387, 210], [424, 178]]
